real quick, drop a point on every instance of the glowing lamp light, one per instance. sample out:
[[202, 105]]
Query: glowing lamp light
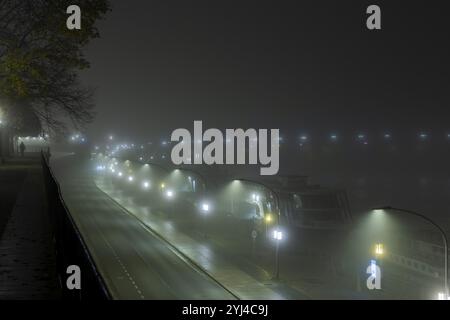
[[268, 218], [169, 194], [379, 249], [441, 296], [146, 184], [130, 179], [278, 235], [205, 207]]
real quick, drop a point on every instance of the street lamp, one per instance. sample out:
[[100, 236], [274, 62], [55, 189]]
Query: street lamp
[[169, 194], [146, 185], [205, 209], [442, 232], [379, 250], [277, 236]]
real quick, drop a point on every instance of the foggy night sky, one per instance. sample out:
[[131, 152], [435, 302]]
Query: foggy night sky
[[160, 65]]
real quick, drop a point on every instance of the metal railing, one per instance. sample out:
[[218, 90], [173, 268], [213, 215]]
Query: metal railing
[[70, 246]]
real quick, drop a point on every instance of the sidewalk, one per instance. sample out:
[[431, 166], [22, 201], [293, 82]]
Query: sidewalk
[[27, 261]]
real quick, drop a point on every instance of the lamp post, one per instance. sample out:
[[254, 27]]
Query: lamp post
[[443, 235], [205, 208], [277, 236]]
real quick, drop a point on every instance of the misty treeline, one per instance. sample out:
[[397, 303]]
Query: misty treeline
[[39, 63]]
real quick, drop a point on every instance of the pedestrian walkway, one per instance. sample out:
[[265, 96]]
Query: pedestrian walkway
[[27, 260]]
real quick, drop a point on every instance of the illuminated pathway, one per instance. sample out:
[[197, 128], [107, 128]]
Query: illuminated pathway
[[133, 261]]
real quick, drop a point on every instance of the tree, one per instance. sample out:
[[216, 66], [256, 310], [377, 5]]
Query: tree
[[40, 59]]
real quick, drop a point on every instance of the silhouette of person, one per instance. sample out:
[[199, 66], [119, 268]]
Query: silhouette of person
[[22, 148]]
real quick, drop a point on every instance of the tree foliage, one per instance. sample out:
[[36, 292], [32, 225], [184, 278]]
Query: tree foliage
[[40, 59]]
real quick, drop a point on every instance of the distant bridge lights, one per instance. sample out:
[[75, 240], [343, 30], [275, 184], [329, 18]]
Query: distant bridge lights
[[423, 136], [74, 138]]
